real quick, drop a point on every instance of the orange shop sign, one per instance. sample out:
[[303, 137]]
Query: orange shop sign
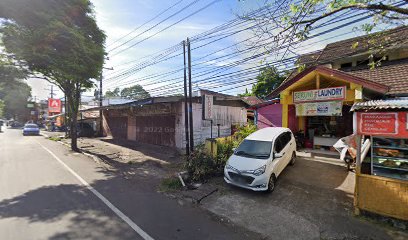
[[387, 124]]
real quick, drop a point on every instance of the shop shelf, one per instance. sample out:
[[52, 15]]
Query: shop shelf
[[390, 147], [392, 158], [391, 168]]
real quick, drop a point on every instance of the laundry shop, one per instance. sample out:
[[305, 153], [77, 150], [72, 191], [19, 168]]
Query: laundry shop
[[316, 103]]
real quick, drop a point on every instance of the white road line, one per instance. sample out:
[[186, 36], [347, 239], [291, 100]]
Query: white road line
[[120, 214]]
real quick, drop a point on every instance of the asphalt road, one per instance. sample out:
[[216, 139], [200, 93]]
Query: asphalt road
[[48, 192]]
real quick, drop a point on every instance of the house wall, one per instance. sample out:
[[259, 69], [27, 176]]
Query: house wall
[[269, 116], [226, 116]]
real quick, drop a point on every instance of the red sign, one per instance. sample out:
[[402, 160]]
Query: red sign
[[54, 105], [387, 124]]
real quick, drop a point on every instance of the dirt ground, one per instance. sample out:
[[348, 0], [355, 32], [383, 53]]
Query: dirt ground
[[313, 200], [130, 159]]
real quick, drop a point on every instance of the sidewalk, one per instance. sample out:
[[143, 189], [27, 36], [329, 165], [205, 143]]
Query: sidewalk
[[129, 158]]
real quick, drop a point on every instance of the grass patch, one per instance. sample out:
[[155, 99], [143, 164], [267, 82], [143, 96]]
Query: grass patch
[[170, 184], [55, 139]]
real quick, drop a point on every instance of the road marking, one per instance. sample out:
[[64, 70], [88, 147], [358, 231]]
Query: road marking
[[120, 214]]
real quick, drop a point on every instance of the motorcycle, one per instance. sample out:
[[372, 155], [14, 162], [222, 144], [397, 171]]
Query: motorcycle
[[346, 146]]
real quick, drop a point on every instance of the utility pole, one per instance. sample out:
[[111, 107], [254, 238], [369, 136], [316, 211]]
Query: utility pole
[[100, 106], [51, 91], [185, 101], [190, 100], [101, 101]]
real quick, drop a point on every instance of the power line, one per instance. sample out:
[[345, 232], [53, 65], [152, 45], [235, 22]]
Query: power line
[[164, 29], [145, 23]]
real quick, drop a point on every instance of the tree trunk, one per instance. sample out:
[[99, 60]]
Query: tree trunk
[[74, 135], [73, 98]]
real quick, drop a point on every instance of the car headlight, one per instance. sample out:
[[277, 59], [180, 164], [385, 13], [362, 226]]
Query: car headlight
[[259, 171], [227, 166]]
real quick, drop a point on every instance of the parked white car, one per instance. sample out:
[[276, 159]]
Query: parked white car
[[261, 158]]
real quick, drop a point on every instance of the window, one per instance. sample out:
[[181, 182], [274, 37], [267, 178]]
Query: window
[[278, 144], [285, 138], [346, 65]]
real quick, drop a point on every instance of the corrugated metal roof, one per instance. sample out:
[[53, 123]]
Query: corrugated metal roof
[[381, 104]]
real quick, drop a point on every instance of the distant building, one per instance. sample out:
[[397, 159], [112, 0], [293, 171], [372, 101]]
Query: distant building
[[161, 120]]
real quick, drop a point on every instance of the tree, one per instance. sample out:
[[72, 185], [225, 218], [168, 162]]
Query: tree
[[114, 93], [14, 91], [58, 40], [2, 105], [297, 19], [135, 92], [268, 79]]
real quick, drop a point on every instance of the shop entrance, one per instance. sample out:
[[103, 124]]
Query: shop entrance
[[322, 132]]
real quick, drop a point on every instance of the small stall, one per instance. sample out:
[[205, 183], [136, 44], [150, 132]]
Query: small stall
[[382, 174]]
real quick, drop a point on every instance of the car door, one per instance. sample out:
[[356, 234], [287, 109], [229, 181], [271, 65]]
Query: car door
[[287, 148], [278, 149], [284, 148]]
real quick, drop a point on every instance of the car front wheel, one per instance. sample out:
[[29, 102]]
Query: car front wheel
[[271, 183]]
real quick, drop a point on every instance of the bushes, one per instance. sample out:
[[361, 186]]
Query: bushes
[[201, 166]]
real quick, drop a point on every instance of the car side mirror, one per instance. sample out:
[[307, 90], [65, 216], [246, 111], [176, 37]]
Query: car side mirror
[[233, 150], [278, 155]]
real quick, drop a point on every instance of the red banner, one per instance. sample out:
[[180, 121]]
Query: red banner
[[387, 124], [54, 105]]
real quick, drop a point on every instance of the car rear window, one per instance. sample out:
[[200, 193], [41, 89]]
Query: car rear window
[[31, 126]]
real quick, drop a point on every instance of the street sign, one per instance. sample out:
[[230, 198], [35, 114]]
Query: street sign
[[208, 105], [54, 105]]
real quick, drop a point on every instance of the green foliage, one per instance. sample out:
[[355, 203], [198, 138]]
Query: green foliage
[[135, 92], [244, 131], [268, 79], [2, 105], [114, 93], [14, 92], [201, 166], [170, 184], [56, 139]]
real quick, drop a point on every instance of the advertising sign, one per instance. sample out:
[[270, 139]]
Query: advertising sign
[[323, 94], [387, 124], [54, 105], [319, 109], [208, 105]]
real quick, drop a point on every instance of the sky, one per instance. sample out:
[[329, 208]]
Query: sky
[[118, 18]]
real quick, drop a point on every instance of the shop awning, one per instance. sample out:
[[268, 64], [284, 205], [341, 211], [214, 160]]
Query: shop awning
[[381, 104]]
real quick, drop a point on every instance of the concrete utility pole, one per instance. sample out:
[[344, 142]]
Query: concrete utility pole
[[51, 91], [191, 95], [185, 101], [100, 106], [101, 102]]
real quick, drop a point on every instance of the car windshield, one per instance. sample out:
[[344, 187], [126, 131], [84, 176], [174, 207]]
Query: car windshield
[[254, 149], [31, 126]]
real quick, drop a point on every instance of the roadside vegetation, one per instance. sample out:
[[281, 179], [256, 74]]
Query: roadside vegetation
[[170, 184], [201, 165]]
